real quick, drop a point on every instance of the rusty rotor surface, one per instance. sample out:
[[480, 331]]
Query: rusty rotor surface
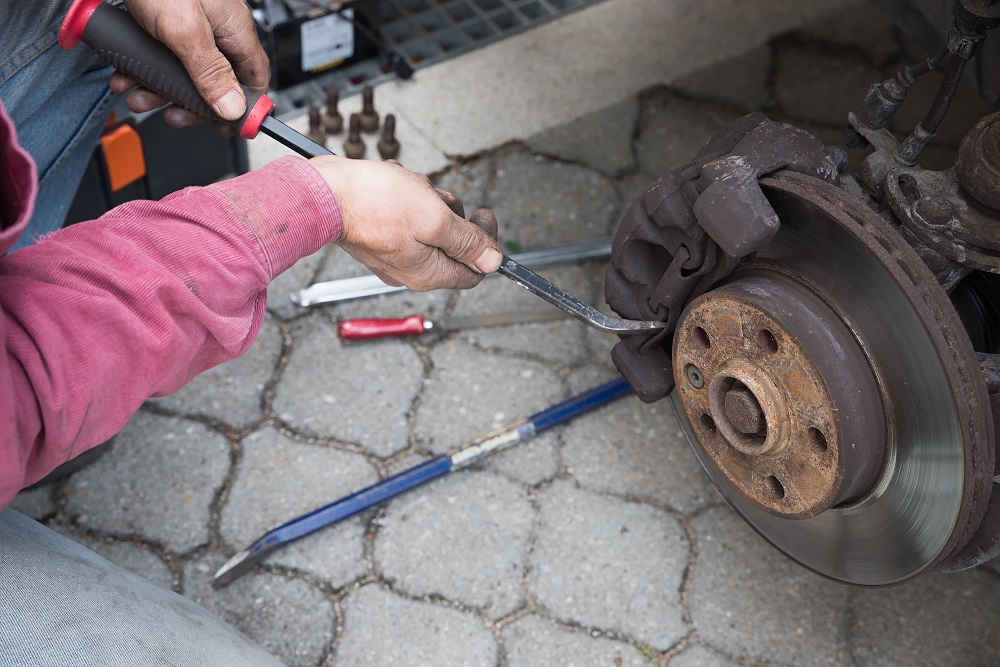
[[923, 501], [784, 406]]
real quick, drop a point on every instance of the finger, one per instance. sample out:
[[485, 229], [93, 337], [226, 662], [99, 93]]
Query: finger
[[485, 220], [465, 243], [180, 117], [222, 130], [449, 274], [191, 38], [384, 277], [119, 83], [141, 100], [236, 38], [452, 202]]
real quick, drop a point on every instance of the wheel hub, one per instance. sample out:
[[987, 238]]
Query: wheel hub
[[775, 406]]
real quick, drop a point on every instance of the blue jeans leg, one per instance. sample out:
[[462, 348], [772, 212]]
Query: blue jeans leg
[[61, 604], [58, 101]]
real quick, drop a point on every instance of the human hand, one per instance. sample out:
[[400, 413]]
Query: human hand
[[404, 230], [216, 41]]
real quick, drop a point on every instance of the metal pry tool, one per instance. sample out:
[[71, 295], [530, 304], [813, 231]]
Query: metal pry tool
[[419, 475], [563, 300], [121, 42]]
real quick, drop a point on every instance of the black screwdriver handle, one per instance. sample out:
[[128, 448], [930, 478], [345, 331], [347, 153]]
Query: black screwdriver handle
[[122, 43]]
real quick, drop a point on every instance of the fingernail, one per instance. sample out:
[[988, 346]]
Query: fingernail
[[489, 261], [232, 105]]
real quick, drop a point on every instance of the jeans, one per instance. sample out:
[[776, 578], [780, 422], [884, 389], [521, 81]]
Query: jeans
[[58, 101], [62, 604]]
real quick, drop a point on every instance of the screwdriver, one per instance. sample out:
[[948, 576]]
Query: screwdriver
[[122, 43], [416, 325]]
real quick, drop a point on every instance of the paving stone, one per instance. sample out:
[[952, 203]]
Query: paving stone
[[471, 393], [673, 130], [531, 462], [601, 140], [36, 503], [559, 341], [699, 656], [384, 629], [540, 203], [821, 88], [637, 449], [935, 620], [156, 483], [609, 564], [134, 558], [738, 574], [395, 304], [740, 82], [590, 376], [297, 277], [862, 25], [288, 617], [261, 498], [231, 393], [463, 538], [468, 182], [330, 389], [532, 641]]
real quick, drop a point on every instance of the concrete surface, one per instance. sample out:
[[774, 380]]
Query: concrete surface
[[600, 543]]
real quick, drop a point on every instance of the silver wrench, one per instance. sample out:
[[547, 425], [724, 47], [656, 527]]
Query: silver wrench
[[563, 300]]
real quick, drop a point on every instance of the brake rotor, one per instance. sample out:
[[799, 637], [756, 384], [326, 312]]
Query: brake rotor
[[830, 392]]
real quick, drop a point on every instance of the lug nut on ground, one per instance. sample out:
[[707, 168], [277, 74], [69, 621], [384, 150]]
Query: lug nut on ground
[[332, 119], [388, 146], [369, 117], [316, 131], [354, 148]]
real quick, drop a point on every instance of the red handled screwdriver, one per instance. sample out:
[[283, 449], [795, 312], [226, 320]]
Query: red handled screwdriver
[[415, 325], [122, 43]]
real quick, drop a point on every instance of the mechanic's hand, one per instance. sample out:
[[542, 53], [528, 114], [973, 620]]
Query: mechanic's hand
[[404, 230], [212, 38]]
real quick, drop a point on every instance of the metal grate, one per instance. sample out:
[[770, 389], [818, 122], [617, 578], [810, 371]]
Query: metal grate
[[426, 32]]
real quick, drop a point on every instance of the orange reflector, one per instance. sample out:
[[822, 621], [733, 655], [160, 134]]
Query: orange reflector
[[123, 156]]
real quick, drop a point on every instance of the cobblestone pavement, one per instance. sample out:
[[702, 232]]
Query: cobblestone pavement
[[601, 543]]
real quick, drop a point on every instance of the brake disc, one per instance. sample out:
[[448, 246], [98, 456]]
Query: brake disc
[[831, 394]]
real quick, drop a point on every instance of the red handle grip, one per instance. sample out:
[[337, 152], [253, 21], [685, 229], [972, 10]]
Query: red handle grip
[[121, 42], [369, 329]]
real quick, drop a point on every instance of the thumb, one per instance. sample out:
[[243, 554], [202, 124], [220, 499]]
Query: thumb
[[468, 243], [211, 72]]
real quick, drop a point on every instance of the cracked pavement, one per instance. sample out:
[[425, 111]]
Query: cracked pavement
[[599, 543]]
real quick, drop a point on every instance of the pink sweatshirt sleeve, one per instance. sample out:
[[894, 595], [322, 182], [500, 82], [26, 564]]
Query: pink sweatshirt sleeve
[[102, 315]]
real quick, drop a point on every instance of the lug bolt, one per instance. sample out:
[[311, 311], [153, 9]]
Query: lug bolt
[[388, 146], [369, 117], [332, 119], [354, 148], [316, 131]]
